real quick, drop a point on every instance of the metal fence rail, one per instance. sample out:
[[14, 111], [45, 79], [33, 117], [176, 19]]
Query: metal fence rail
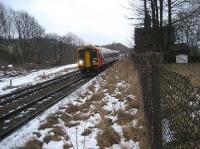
[[171, 103]]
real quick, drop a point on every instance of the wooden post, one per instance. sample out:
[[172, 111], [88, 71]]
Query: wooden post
[[10, 82], [157, 120]]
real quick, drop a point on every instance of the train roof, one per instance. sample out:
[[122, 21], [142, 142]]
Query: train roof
[[103, 50]]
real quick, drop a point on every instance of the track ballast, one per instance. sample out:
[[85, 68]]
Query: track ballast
[[17, 108]]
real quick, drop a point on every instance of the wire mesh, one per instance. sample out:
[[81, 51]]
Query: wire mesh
[[180, 105], [177, 101]]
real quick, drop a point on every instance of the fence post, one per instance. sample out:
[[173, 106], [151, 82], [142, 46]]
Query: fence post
[[156, 103]]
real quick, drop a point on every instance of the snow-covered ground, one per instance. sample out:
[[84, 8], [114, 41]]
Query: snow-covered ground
[[97, 115], [20, 137], [33, 78]]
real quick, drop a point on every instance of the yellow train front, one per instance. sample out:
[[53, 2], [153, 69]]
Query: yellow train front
[[92, 59]]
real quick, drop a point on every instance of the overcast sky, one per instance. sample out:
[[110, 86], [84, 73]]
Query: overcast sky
[[95, 21]]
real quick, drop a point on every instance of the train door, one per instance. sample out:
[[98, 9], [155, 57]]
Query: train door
[[87, 59]]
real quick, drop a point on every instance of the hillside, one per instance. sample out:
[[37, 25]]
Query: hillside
[[117, 46]]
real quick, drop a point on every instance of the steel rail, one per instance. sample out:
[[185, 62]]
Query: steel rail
[[26, 119], [28, 105], [34, 88]]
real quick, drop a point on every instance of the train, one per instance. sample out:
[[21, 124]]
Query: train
[[93, 58]]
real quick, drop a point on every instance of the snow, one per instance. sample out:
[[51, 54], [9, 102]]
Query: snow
[[54, 145], [129, 145], [7, 121], [21, 136], [113, 104], [133, 111], [33, 77], [44, 133], [121, 84], [118, 129], [168, 134], [74, 132], [10, 65], [131, 96]]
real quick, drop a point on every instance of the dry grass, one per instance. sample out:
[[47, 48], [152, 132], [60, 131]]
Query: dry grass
[[51, 121], [67, 146], [124, 117], [110, 86], [132, 104], [86, 132], [80, 117], [32, 144], [64, 117], [84, 108], [83, 95], [136, 134], [92, 87], [55, 137], [108, 136], [98, 107], [125, 71], [120, 97], [72, 124], [104, 123], [72, 109], [58, 134], [141, 118], [139, 132], [190, 70], [96, 96]]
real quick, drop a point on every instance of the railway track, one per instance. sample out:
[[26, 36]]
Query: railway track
[[4, 99], [19, 107]]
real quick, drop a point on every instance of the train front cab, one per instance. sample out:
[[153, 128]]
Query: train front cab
[[87, 59]]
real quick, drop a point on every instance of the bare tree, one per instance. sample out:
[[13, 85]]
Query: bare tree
[[2, 20], [181, 14], [27, 28], [24, 40]]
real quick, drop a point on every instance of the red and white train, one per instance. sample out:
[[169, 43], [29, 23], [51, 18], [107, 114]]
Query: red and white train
[[92, 58]]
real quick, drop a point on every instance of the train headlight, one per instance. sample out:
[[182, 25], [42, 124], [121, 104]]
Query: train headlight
[[94, 60], [80, 62]]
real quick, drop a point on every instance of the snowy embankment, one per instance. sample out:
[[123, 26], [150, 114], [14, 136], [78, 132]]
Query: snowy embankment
[[10, 84], [104, 113]]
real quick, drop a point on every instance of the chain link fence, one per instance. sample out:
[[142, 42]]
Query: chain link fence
[[171, 103]]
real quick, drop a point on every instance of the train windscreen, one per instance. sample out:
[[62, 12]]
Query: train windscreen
[[94, 56], [81, 55]]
